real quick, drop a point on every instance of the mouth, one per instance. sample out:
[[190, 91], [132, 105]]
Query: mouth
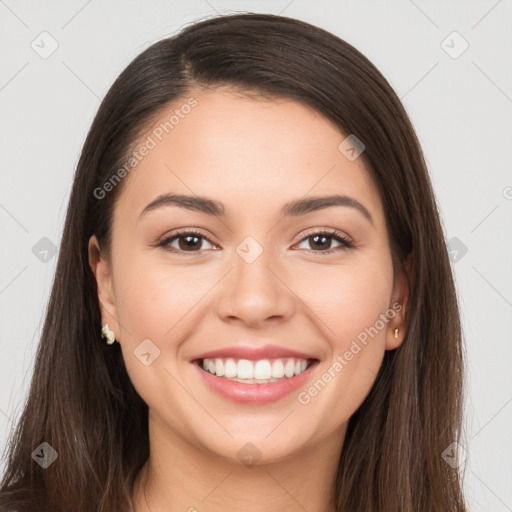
[[261, 371], [255, 381]]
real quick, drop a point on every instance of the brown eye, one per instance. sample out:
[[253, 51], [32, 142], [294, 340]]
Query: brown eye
[[322, 241], [187, 241]]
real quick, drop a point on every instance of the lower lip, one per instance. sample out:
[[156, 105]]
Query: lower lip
[[255, 393]]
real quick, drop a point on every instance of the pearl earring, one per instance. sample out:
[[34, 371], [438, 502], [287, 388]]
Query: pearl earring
[[108, 334], [396, 333]]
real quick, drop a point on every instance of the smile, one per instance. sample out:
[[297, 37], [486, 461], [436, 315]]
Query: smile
[[256, 372], [258, 382]]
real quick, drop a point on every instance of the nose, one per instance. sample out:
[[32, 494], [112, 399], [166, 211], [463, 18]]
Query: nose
[[255, 293]]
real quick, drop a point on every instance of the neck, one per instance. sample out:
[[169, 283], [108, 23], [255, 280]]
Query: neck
[[180, 476]]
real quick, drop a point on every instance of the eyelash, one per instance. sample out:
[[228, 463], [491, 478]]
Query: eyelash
[[331, 233]]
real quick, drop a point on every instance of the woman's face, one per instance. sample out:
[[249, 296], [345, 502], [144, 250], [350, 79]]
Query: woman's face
[[251, 277]]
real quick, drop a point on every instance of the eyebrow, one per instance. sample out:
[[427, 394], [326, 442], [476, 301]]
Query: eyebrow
[[291, 209]]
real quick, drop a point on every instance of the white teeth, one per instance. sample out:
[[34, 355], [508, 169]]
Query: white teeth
[[277, 369], [245, 369], [219, 367], [289, 368], [262, 371], [230, 368]]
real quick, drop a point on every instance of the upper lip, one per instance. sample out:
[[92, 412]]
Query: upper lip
[[253, 353]]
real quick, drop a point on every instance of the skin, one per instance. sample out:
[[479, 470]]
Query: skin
[[253, 155]]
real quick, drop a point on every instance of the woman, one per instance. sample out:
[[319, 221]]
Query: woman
[[253, 306]]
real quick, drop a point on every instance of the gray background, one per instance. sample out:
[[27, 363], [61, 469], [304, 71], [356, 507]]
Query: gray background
[[460, 105]]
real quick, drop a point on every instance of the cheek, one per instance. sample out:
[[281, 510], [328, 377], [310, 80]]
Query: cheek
[[353, 302], [160, 301], [152, 297], [152, 301], [348, 299]]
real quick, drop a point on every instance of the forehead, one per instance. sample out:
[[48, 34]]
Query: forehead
[[250, 153]]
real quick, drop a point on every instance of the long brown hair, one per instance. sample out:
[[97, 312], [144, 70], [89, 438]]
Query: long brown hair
[[81, 400]]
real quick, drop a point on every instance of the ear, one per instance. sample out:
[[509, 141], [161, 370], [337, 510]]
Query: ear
[[399, 304], [100, 267]]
